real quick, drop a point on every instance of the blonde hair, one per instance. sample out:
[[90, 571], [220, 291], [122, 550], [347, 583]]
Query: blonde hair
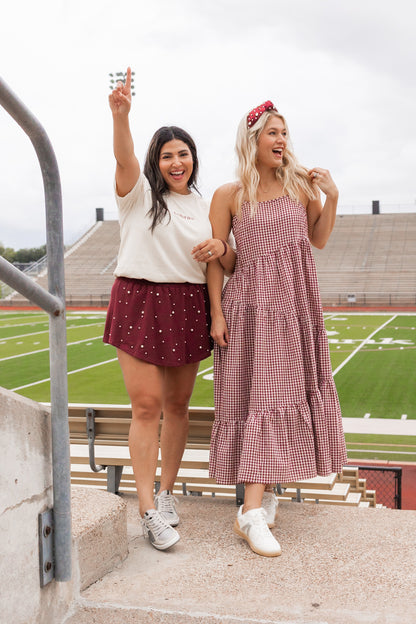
[[292, 174]]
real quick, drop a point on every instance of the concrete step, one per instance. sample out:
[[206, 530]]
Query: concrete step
[[99, 533], [121, 614], [212, 577]]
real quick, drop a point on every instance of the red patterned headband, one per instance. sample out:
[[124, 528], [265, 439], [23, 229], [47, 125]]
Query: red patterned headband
[[256, 113]]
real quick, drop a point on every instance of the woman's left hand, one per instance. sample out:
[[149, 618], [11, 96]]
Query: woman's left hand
[[322, 179], [208, 250]]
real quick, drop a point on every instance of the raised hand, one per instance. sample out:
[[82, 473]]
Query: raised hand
[[120, 98]]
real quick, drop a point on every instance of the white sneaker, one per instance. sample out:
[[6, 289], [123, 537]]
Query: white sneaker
[[161, 535], [165, 504], [252, 527], [270, 503]]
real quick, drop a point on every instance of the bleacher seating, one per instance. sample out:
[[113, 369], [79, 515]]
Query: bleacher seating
[[371, 258], [105, 429], [89, 267], [90, 264]]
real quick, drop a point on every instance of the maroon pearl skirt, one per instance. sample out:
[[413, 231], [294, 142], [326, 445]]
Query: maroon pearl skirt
[[163, 324]]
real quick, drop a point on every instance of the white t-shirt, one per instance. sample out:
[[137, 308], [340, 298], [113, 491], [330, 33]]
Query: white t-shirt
[[165, 254]]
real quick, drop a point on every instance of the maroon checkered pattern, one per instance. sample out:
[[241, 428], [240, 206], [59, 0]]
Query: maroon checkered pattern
[[277, 415]]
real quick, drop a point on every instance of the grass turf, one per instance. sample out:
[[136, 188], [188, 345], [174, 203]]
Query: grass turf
[[379, 379]]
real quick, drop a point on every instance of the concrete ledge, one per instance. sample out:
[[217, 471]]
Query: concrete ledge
[[25, 492], [338, 566], [99, 530], [119, 614]]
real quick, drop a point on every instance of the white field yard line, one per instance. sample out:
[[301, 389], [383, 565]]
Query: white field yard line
[[330, 316], [206, 370], [5, 316], [372, 313], [362, 344], [70, 344], [45, 331], [32, 322], [78, 370], [392, 451]]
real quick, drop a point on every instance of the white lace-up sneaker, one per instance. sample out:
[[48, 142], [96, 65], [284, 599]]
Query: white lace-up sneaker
[[252, 527], [165, 504], [270, 504], [161, 535]]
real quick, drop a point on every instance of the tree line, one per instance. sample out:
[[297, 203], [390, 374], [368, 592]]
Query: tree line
[[22, 255]]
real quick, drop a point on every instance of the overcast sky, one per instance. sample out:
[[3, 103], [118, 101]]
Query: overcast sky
[[342, 73]]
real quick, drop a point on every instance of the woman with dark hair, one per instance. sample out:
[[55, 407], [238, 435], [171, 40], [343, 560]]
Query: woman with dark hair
[[158, 317]]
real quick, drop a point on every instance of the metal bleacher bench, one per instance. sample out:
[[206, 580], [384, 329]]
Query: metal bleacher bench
[[105, 425], [102, 426]]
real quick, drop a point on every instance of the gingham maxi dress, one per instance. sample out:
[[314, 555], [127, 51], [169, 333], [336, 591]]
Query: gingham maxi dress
[[277, 415]]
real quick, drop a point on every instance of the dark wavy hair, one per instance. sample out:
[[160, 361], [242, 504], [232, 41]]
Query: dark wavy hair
[[152, 172]]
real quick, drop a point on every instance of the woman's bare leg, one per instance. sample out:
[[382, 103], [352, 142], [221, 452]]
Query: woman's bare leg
[[178, 384], [144, 384], [252, 496]]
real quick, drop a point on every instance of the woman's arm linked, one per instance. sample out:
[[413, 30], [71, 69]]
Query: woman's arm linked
[[216, 249], [127, 168], [220, 216]]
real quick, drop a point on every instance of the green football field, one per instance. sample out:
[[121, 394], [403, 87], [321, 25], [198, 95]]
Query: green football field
[[373, 359]]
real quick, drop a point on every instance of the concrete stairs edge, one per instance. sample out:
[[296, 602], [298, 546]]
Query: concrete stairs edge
[[99, 534]]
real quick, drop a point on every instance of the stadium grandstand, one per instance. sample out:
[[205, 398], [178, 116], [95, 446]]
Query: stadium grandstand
[[370, 260]]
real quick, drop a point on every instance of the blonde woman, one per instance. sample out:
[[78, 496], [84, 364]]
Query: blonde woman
[[277, 415]]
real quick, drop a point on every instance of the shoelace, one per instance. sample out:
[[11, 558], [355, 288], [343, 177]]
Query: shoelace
[[156, 524], [167, 503], [258, 520]]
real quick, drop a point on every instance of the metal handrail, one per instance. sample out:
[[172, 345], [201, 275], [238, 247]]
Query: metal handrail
[[52, 302]]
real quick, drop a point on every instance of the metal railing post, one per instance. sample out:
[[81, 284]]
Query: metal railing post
[[54, 303]]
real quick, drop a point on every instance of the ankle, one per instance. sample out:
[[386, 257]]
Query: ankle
[[249, 507], [143, 509]]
